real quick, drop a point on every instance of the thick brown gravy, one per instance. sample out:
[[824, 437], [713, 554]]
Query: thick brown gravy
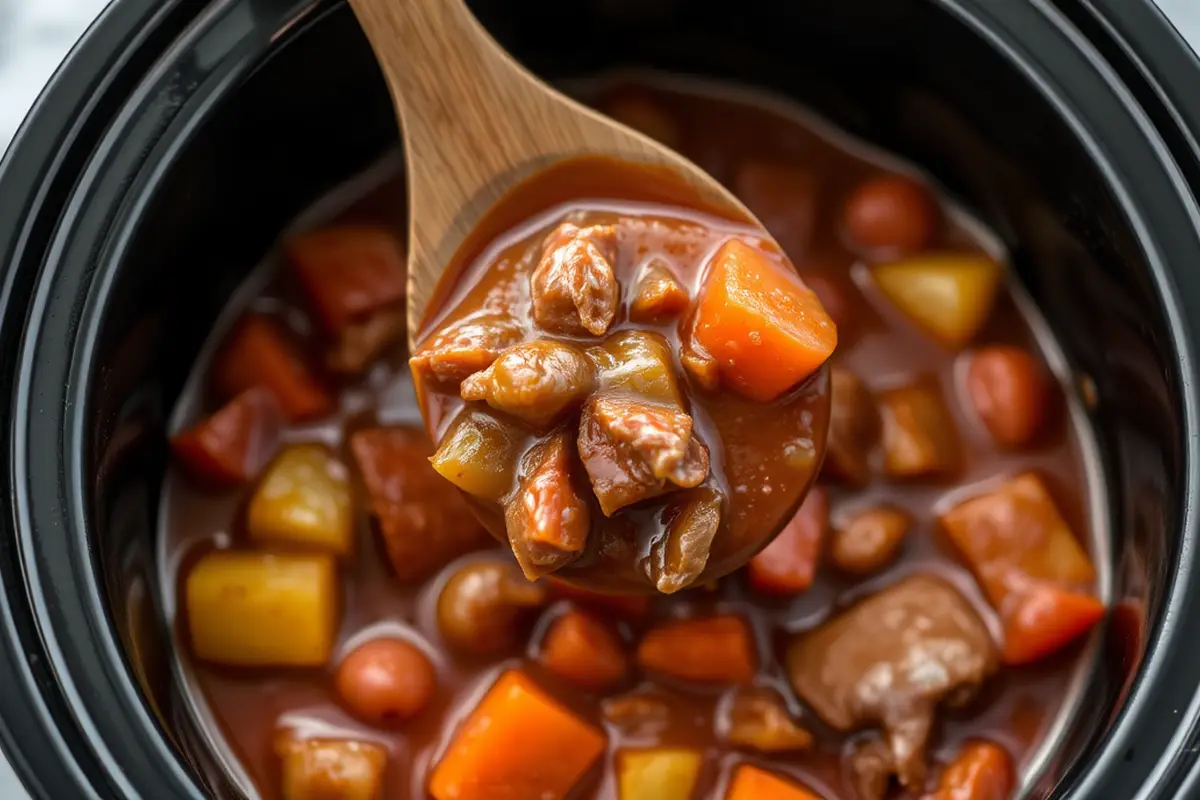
[[722, 132]]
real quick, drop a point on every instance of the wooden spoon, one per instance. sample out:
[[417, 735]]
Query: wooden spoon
[[476, 123]]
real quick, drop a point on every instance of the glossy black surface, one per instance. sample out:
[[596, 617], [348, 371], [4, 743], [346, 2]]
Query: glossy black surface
[[183, 135]]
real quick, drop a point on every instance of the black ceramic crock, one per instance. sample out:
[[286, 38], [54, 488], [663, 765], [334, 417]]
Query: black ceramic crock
[[182, 134]]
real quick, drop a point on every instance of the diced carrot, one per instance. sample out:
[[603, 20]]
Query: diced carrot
[[580, 649], [517, 743], [1043, 619], [632, 606], [259, 352], [348, 271], [980, 771], [232, 444], [716, 649], [1030, 565], [766, 329], [754, 783], [787, 565]]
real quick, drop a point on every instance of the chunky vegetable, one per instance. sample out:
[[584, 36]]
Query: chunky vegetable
[[1010, 393], [1029, 564], [788, 564], [658, 774], [919, 436], [481, 606], [584, 651], [320, 769], [892, 214], [691, 523], [304, 500], [231, 445], [716, 649], [950, 295], [479, 454], [758, 720], [753, 783], [518, 742], [658, 294], [765, 328], [639, 363], [263, 609], [260, 352], [385, 681], [348, 271], [980, 771]]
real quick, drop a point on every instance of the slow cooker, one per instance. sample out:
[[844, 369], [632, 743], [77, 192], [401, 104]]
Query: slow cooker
[[182, 134]]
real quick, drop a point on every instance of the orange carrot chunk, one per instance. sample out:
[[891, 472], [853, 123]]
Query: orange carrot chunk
[[517, 743], [753, 783], [1029, 564], [711, 650], [580, 649], [348, 271], [766, 329], [232, 444], [259, 352], [787, 565], [980, 771]]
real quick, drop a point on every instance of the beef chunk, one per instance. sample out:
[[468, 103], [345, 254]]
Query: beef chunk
[[853, 428], [691, 523], [547, 519], [422, 518], [467, 346], [890, 660], [573, 288], [659, 295], [536, 381], [631, 449], [757, 719], [919, 437]]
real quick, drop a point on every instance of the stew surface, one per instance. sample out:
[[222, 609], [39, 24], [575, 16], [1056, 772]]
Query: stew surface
[[353, 630]]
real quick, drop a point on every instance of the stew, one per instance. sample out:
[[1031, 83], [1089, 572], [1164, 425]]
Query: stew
[[353, 631]]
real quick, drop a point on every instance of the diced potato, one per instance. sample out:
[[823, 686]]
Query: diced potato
[[263, 609], [304, 499], [658, 774], [319, 769], [948, 294], [479, 455], [640, 362], [517, 743], [919, 437]]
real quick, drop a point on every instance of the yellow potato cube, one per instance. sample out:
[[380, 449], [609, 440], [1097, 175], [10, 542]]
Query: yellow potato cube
[[948, 294], [318, 769], [659, 774], [304, 499], [263, 609]]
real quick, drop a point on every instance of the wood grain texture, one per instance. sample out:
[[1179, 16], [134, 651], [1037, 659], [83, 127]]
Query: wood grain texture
[[476, 124]]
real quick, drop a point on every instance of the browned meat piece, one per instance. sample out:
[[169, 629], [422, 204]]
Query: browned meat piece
[[547, 519], [702, 367], [467, 346], [919, 437], [573, 288], [637, 714], [853, 428], [871, 769], [536, 381], [757, 720], [424, 521], [639, 362], [889, 660], [631, 448], [679, 557], [365, 340], [659, 295]]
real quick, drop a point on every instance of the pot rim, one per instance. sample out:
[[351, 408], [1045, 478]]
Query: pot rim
[[87, 160]]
